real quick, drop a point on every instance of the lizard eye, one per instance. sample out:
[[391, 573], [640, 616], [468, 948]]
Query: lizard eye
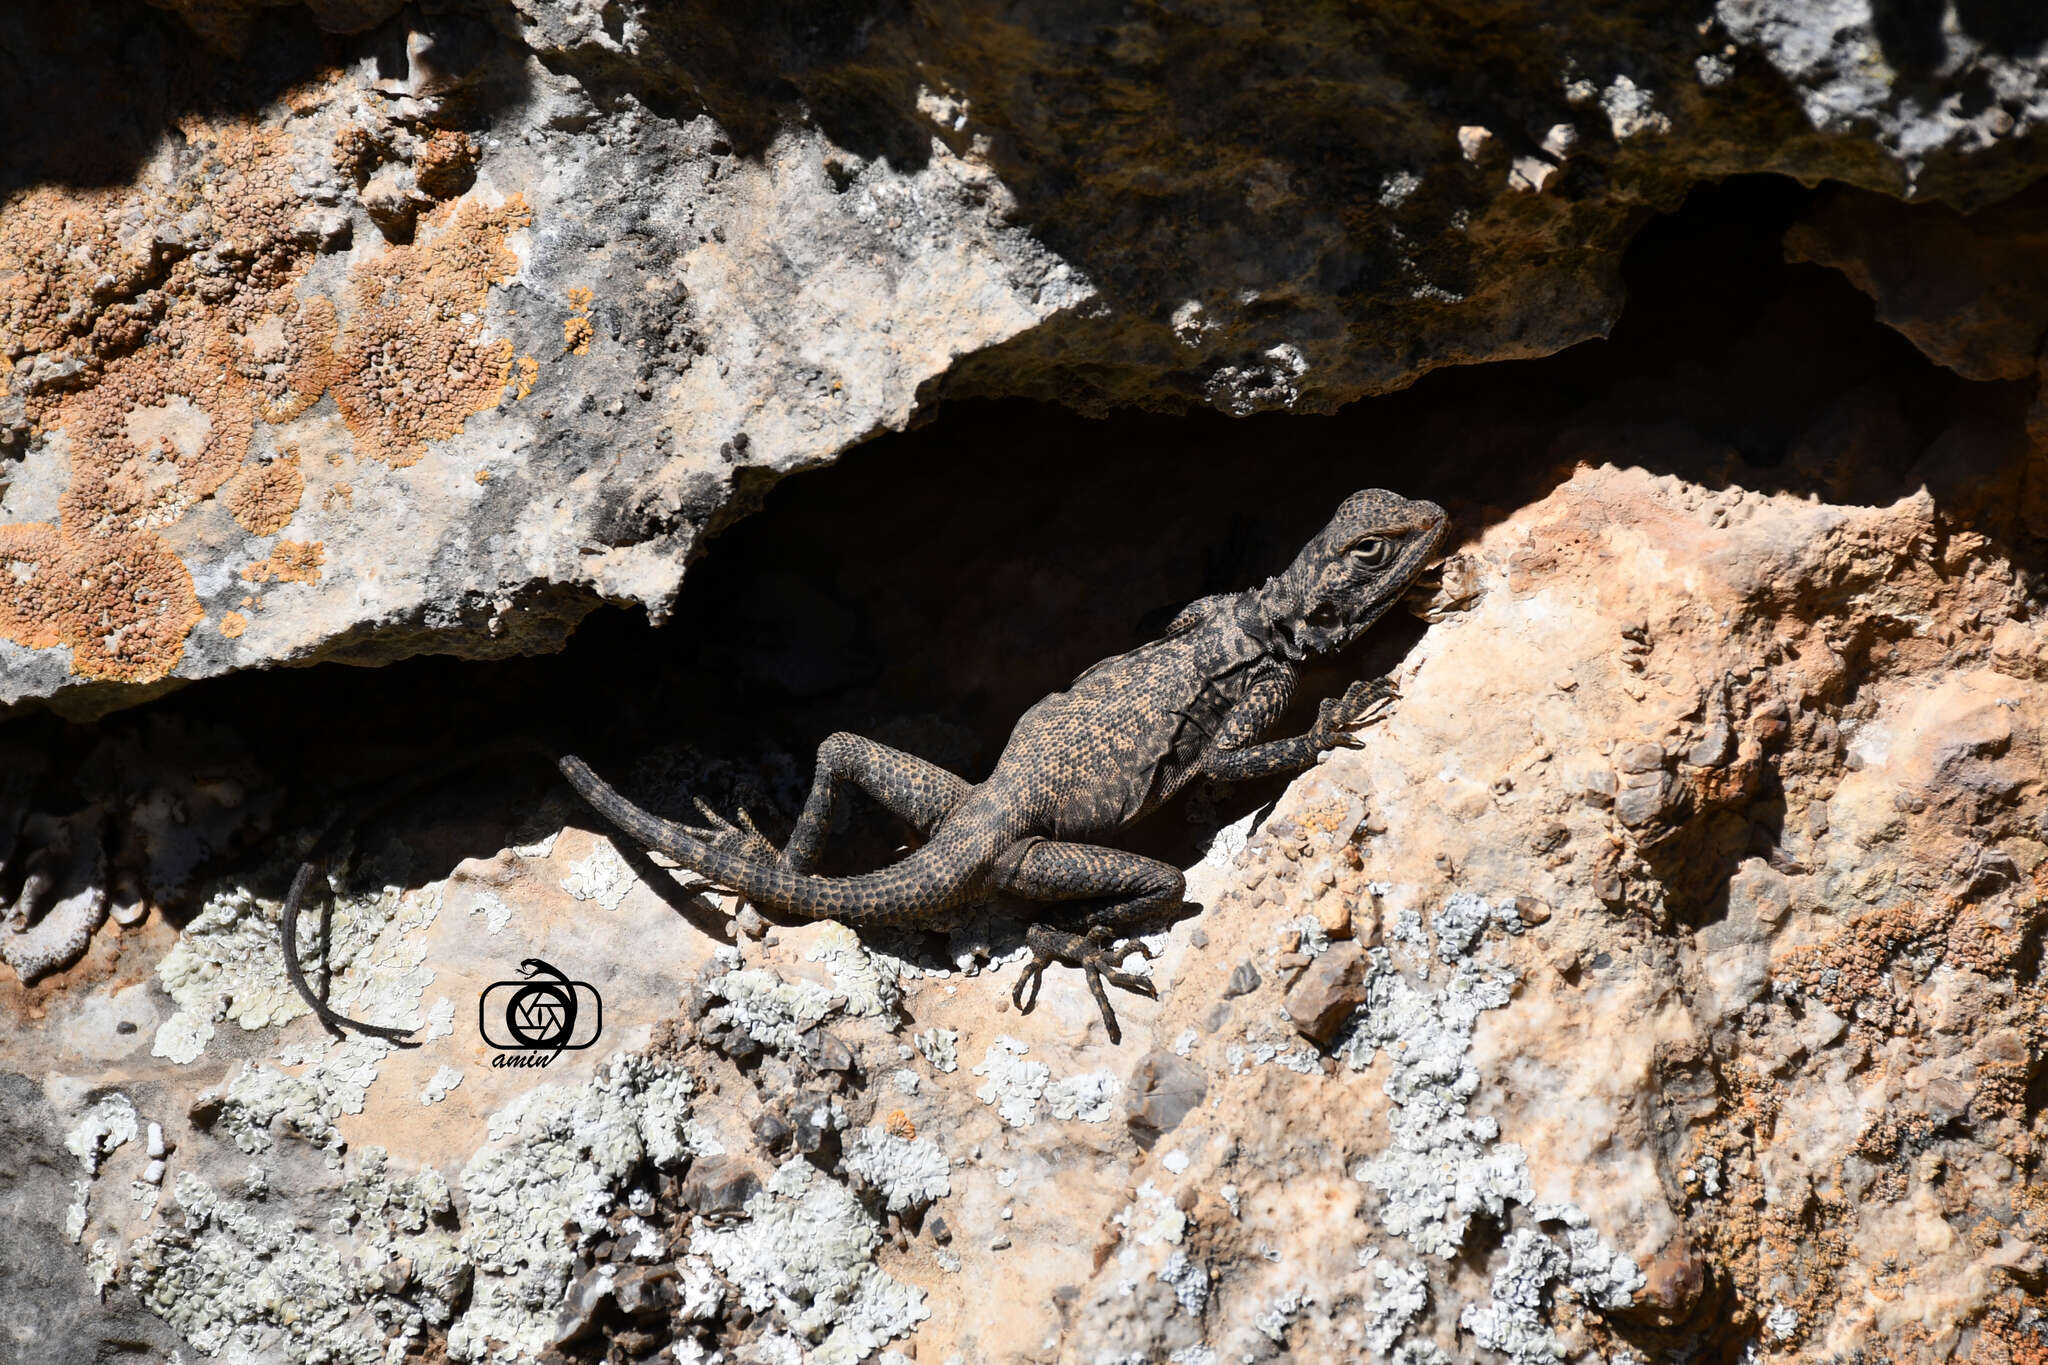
[[1372, 551]]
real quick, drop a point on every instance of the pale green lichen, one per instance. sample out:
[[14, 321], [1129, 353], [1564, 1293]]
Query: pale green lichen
[[226, 966], [577, 1147], [867, 979], [238, 1281], [908, 1173], [805, 1255], [1013, 1084]]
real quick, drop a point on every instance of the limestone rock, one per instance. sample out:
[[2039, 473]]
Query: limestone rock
[[494, 313]]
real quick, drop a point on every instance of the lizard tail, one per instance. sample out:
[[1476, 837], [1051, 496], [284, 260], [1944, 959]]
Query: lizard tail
[[947, 872]]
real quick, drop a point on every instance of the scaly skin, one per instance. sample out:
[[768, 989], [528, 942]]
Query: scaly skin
[[1083, 763], [1080, 765]]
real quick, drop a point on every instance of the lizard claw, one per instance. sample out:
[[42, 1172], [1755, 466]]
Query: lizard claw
[[1096, 959], [1363, 703], [745, 838]]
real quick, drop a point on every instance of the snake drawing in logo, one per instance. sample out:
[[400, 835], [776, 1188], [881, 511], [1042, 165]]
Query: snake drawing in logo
[[541, 1015]]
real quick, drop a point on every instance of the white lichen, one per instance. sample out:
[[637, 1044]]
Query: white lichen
[[1090, 1097], [1014, 1084], [1511, 1320], [940, 1046], [496, 913], [602, 877], [1189, 1281], [1445, 1167], [439, 1084], [773, 1012], [867, 979], [908, 1173], [237, 1283], [806, 1256], [226, 966], [1397, 1299], [109, 1124], [578, 1147]]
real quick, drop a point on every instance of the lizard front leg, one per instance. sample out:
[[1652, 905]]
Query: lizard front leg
[[916, 792], [1125, 888], [1336, 720]]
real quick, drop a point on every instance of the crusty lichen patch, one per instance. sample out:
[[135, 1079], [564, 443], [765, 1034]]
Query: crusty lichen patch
[[289, 561], [576, 328], [123, 603], [264, 498], [411, 364], [153, 325]]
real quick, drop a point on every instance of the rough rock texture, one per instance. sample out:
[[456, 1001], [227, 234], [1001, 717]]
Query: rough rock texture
[[1696, 892], [365, 334], [1662, 980]]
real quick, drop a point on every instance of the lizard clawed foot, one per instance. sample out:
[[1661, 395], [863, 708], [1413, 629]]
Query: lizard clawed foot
[[1093, 954], [1362, 704], [745, 838]]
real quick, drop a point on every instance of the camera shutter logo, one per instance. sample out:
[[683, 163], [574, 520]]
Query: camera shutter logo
[[539, 1018]]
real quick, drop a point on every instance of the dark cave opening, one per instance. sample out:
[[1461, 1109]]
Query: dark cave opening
[[932, 584]]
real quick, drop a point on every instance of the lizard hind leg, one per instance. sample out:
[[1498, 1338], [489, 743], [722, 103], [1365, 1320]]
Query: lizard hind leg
[[920, 794], [1125, 888]]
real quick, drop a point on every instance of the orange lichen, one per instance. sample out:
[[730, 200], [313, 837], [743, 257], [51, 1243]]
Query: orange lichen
[[123, 603], [529, 375], [290, 561], [445, 163], [169, 313], [155, 435], [898, 1124], [411, 365], [483, 476], [233, 624], [576, 329], [264, 498]]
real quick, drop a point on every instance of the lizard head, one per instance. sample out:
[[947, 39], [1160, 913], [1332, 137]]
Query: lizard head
[[1350, 573]]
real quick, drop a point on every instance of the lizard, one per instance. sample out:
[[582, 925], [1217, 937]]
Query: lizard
[[1080, 764]]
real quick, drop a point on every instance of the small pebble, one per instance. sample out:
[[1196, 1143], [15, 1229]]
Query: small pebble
[[1000, 1243], [750, 922], [154, 1172], [1198, 938], [156, 1139], [1243, 981]]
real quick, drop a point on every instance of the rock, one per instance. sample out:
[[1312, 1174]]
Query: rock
[[826, 1052], [583, 1310], [719, 1185], [1325, 995], [1244, 979], [1163, 1090], [612, 340], [644, 1291]]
